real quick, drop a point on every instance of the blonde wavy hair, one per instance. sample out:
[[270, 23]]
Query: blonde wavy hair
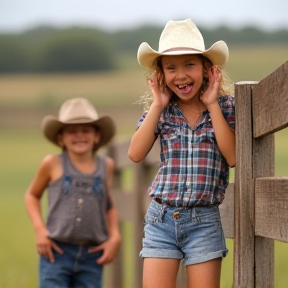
[[226, 86]]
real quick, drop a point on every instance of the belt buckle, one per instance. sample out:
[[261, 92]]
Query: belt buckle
[[176, 215]]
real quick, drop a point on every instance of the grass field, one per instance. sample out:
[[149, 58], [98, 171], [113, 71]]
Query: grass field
[[21, 152], [25, 99], [121, 88]]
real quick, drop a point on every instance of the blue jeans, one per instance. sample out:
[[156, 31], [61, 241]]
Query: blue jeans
[[194, 235], [75, 268]]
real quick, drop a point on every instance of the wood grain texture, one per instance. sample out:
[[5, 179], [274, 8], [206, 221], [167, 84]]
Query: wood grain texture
[[263, 166], [270, 103], [271, 208], [244, 189]]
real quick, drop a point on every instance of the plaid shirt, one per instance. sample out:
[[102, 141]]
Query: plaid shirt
[[192, 170]]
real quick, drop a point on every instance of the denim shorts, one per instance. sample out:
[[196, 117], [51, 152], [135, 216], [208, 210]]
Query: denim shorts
[[75, 268], [194, 235]]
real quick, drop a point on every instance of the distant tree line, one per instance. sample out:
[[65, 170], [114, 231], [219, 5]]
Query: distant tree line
[[46, 49]]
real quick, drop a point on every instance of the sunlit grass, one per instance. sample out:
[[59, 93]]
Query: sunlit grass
[[119, 88], [123, 87], [253, 63]]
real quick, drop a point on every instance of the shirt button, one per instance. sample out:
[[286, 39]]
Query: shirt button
[[78, 220], [80, 201]]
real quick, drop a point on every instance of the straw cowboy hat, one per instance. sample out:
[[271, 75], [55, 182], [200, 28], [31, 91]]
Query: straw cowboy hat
[[179, 38], [78, 111]]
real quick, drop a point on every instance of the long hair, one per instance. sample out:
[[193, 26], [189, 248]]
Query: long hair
[[226, 85]]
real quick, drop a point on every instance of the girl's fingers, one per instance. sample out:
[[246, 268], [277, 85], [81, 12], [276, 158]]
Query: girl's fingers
[[104, 260], [57, 248], [50, 255], [46, 250], [95, 249], [216, 73]]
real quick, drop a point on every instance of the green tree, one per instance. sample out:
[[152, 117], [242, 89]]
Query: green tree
[[77, 53], [13, 55]]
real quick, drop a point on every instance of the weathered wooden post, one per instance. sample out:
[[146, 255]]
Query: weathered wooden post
[[263, 166], [261, 110], [270, 114], [244, 189]]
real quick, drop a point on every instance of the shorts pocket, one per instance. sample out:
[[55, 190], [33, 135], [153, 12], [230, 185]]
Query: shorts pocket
[[152, 216], [207, 224], [209, 218]]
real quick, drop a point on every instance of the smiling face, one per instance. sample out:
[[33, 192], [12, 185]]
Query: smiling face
[[184, 75], [79, 138]]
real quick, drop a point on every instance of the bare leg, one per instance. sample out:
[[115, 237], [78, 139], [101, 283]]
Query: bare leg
[[204, 275], [160, 272]]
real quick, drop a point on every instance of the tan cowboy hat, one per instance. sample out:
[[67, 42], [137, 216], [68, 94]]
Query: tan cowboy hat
[[78, 111], [180, 38]]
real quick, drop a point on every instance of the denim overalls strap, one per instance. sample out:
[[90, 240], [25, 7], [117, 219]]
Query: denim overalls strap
[[67, 179], [99, 176], [78, 204]]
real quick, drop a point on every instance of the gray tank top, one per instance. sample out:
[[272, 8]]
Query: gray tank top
[[77, 205]]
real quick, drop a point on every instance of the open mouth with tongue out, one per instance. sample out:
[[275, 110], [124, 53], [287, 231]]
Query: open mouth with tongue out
[[186, 88]]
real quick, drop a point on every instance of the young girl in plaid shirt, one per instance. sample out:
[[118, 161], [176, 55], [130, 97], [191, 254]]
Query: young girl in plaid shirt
[[192, 111]]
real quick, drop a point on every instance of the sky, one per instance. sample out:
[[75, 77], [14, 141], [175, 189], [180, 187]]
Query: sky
[[20, 15]]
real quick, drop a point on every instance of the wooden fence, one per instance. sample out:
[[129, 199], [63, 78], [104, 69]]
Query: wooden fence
[[255, 210]]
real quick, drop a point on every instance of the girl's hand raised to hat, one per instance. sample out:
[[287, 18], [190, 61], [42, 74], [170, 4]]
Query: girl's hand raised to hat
[[160, 98], [210, 96]]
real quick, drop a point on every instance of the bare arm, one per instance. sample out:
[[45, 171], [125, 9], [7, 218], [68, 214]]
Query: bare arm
[[112, 214], [32, 200], [225, 136], [144, 138]]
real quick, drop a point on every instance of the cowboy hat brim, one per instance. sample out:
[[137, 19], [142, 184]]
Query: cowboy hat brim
[[51, 126], [218, 53]]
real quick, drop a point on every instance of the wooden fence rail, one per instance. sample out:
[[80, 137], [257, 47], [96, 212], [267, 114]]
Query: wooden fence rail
[[255, 210]]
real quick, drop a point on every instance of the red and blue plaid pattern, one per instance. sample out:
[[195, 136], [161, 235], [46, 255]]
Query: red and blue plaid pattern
[[192, 170]]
